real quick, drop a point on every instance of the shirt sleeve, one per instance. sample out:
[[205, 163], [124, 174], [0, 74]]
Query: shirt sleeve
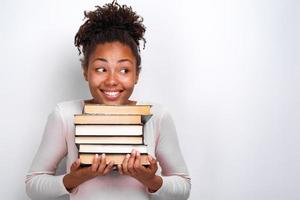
[[41, 182], [176, 180]]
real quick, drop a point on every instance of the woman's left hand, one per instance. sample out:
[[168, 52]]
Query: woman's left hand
[[146, 175]]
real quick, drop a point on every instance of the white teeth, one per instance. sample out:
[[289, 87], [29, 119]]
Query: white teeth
[[112, 94]]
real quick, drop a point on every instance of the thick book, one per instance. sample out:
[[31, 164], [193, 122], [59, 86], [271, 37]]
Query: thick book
[[117, 109], [105, 130], [111, 149], [109, 140], [110, 119], [87, 159]]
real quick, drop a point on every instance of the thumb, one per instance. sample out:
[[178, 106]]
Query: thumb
[[75, 165]]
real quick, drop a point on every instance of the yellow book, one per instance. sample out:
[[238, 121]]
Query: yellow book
[[117, 109]]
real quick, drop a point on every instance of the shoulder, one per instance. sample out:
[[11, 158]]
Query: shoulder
[[70, 106], [68, 109], [158, 111]]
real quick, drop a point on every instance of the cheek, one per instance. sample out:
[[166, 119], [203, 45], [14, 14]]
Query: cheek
[[95, 80], [129, 82]]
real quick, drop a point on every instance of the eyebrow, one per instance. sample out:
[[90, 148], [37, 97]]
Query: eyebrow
[[119, 61]]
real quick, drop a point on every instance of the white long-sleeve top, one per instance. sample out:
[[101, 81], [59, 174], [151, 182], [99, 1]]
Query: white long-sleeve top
[[58, 142]]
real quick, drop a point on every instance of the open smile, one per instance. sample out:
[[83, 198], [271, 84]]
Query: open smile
[[112, 95]]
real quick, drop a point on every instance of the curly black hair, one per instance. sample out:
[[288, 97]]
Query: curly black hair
[[109, 23]]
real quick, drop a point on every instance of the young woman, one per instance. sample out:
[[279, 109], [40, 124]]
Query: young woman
[[109, 40]]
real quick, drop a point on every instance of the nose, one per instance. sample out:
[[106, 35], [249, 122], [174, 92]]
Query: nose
[[111, 80]]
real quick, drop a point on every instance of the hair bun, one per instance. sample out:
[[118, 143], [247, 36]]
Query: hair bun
[[110, 22], [113, 16]]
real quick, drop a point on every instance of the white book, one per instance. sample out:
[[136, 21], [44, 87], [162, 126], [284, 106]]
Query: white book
[[92, 130], [102, 148]]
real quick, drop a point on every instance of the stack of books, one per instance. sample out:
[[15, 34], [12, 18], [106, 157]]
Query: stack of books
[[113, 130]]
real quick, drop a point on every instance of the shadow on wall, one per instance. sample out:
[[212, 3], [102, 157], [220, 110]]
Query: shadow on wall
[[68, 82]]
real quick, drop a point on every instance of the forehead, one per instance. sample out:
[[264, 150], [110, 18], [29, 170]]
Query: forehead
[[112, 50]]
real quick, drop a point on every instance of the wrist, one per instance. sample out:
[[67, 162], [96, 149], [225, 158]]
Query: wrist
[[70, 181], [154, 183]]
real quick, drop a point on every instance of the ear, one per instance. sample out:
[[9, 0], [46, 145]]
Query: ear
[[85, 72]]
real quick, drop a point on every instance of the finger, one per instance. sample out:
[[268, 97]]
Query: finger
[[131, 162], [153, 163], [120, 169], [102, 164], [125, 164], [137, 163], [108, 168], [95, 163]]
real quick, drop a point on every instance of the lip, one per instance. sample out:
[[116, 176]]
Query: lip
[[111, 95]]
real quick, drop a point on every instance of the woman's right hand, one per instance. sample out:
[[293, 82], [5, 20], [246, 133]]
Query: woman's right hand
[[79, 174]]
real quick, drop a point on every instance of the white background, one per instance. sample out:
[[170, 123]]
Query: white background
[[227, 70]]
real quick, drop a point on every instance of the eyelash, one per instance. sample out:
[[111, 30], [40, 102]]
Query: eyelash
[[126, 70], [100, 68]]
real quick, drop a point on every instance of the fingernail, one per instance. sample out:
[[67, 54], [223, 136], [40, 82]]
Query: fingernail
[[97, 155], [138, 153], [127, 155], [150, 157], [103, 155]]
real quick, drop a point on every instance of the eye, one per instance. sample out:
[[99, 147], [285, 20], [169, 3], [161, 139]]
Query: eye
[[124, 70], [100, 69]]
